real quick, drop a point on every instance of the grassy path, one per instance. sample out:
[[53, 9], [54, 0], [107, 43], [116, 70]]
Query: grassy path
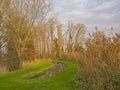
[[19, 80]]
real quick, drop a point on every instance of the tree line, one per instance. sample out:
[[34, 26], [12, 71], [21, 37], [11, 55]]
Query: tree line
[[28, 32]]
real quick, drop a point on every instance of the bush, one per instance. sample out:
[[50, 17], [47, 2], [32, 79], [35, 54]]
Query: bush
[[101, 63]]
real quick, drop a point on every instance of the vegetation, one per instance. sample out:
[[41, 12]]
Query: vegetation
[[19, 80], [30, 32], [100, 63]]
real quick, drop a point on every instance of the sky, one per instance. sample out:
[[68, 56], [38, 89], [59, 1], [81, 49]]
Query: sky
[[103, 14]]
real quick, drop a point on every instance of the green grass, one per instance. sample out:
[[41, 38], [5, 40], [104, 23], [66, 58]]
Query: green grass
[[19, 80]]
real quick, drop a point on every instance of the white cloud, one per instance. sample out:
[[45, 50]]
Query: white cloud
[[71, 3], [90, 12], [106, 16], [105, 6], [79, 14]]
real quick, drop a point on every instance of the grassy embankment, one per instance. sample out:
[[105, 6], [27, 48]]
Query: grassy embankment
[[19, 80]]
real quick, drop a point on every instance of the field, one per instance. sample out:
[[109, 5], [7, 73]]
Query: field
[[19, 80]]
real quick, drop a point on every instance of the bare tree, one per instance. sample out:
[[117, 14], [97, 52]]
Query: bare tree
[[60, 44], [75, 35], [21, 16]]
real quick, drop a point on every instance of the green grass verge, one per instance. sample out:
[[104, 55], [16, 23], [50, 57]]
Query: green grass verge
[[18, 80]]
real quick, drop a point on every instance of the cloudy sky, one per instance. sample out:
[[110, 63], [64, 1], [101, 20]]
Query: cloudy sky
[[100, 13]]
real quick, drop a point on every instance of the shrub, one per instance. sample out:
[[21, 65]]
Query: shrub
[[101, 59]]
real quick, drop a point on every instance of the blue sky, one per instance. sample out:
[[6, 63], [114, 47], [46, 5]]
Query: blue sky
[[101, 13]]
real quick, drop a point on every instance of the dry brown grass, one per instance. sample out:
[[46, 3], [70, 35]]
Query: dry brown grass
[[27, 64], [100, 59]]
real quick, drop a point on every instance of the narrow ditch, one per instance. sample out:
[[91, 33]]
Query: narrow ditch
[[52, 71]]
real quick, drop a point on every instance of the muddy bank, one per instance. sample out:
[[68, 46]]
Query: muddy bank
[[52, 71]]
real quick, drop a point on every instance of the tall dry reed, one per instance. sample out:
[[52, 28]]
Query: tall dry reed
[[100, 69]]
